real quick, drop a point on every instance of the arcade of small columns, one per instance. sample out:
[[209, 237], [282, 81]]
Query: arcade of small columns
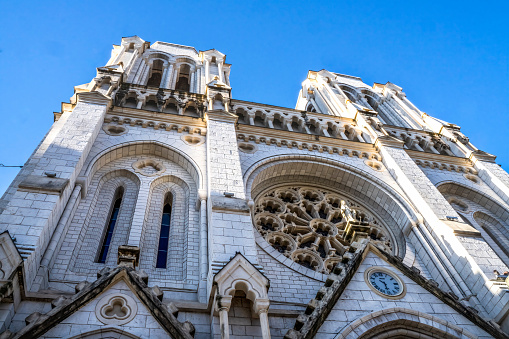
[[172, 70]]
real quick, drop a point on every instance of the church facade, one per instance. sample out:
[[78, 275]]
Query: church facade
[[157, 206]]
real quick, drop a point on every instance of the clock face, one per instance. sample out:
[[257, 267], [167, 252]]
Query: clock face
[[385, 283]]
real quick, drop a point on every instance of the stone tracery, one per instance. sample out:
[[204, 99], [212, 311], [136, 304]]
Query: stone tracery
[[315, 227]]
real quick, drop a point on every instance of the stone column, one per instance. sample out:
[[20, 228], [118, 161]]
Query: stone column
[[223, 304], [261, 307], [270, 121], [146, 73], [169, 76], [203, 234], [192, 83], [207, 70], [166, 74], [325, 131], [139, 214], [251, 118], [220, 70], [141, 71]]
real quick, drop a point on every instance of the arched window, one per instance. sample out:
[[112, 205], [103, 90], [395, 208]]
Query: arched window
[[277, 123], [111, 226], [183, 78], [295, 126], [259, 121], [349, 95], [156, 74], [164, 235], [310, 108]]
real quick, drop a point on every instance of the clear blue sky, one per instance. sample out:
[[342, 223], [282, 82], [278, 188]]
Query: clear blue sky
[[451, 58]]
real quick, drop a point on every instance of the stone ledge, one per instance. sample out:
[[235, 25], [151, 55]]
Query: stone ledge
[[235, 205], [462, 229], [35, 183]]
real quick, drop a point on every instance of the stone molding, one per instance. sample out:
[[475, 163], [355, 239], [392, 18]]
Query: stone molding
[[36, 183], [165, 125], [232, 204], [350, 148], [93, 98], [412, 320], [221, 115], [125, 307]]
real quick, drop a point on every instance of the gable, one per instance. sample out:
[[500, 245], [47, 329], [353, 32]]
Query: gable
[[359, 302], [99, 314], [347, 307], [119, 297]]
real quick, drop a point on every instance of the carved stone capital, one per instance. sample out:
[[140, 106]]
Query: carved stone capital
[[261, 306], [128, 255], [223, 302]]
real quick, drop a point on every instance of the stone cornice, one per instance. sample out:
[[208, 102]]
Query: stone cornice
[[280, 135], [405, 129], [158, 121], [439, 158], [328, 145], [388, 141], [92, 98], [162, 117], [481, 155], [221, 115], [277, 109]]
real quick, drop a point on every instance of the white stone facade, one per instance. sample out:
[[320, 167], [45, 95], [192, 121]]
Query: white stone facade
[[273, 215]]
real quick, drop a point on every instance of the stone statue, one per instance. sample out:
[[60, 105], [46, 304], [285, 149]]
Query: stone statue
[[348, 213]]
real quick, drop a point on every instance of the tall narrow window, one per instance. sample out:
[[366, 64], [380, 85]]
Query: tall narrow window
[[164, 237], [156, 74], [111, 226], [183, 78]]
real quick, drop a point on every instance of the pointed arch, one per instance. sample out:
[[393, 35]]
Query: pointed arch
[[400, 322]]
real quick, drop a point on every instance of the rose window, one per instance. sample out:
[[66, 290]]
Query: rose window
[[315, 227]]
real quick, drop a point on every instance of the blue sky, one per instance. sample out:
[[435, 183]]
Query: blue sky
[[450, 57]]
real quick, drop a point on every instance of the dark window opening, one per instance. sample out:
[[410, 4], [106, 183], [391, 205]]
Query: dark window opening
[[156, 74], [258, 121], [277, 123], [242, 119], [164, 237], [171, 108], [109, 231], [131, 102], [311, 108], [312, 129], [151, 105], [191, 111], [183, 79]]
